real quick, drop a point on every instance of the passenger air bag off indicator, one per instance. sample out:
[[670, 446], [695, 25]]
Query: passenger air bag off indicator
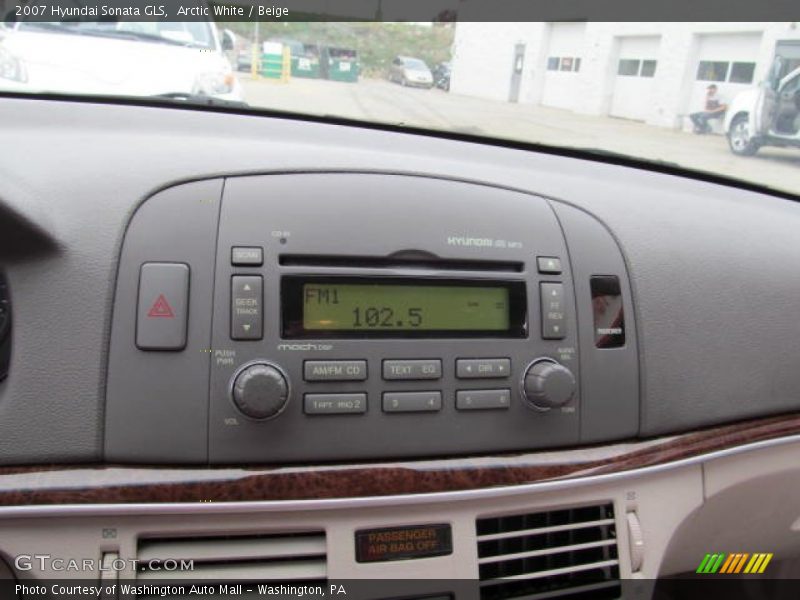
[[403, 543]]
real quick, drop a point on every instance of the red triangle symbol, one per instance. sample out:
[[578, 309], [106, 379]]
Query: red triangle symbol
[[161, 308]]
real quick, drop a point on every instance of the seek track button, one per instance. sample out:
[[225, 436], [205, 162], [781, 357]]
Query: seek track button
[[247, 311]]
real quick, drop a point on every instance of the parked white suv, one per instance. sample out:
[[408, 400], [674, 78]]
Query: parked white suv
[[766, 116], [116, 58]]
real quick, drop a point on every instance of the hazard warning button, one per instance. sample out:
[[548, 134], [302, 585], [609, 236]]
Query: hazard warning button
[[163, 300]]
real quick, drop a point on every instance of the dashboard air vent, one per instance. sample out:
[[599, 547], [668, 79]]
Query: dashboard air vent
[[284, 558], [566, 553]]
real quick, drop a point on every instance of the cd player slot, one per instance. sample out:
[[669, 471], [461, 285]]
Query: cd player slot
[[373, 262]]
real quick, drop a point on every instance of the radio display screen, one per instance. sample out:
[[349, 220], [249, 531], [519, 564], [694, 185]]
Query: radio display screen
[[384, 307]]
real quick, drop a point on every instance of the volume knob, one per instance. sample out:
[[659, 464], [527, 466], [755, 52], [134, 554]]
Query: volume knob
[[260, 391], [548, 384]]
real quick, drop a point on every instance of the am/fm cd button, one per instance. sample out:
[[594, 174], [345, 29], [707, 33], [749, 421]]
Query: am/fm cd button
[[335, 370], [412, 369]]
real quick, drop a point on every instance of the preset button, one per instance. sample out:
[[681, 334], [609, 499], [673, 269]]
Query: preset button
[[483, 399], [412, 402]]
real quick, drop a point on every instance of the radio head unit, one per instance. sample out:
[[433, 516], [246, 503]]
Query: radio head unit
[[364, 316]]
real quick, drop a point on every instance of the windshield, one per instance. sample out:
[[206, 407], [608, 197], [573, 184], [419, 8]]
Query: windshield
[[415, 64], [700, 96]]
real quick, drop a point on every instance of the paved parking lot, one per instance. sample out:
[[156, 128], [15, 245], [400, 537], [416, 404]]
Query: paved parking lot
[[377, 100]]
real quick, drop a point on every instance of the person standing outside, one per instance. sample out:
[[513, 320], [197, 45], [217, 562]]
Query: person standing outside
[[714, 109]]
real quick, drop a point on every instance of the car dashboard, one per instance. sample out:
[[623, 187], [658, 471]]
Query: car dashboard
[[306, 351]]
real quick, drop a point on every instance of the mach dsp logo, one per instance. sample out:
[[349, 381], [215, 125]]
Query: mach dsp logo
[[731, 564]]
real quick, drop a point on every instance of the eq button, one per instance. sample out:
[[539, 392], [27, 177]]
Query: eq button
[[483, 368], [335, 370], [412, 402], [412, 369]]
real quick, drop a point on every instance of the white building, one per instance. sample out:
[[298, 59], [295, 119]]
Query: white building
[[651, 72]]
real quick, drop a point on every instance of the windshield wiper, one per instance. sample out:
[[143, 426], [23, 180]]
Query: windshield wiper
[[187, 98], [139, 36]]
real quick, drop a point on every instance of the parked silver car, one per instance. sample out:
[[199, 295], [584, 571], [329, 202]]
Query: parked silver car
[[408, 71]]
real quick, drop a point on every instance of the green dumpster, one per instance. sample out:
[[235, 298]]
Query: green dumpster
[[340, 64], [305, 61]]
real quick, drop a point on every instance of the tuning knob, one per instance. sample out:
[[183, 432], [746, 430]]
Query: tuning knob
[[548, 384], [260, 390]]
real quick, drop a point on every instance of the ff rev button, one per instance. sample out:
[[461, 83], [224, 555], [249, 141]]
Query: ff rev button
[[161, 317]]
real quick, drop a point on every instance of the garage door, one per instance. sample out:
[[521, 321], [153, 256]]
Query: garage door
[[727, 60], [637, 64], [564, 54]]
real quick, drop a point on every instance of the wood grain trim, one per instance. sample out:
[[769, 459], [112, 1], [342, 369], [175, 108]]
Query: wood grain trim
[[57, 484]]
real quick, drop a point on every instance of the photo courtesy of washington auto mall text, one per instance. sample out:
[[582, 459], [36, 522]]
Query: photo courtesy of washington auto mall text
[[80, 580], [66, 590]]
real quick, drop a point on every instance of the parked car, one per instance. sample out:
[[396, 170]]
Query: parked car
[[244, 60], [441, 76], [116, 58], [766, 116], [408, 71]]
